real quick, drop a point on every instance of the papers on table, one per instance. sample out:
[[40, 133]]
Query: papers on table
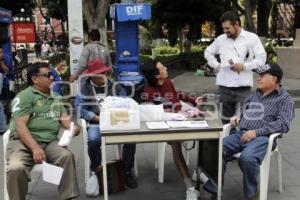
[[52, 173], [157, 125], [67, 135], [188, 124], [177, 124]]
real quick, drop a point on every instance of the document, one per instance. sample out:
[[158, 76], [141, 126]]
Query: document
[[67, 135], [187, 124], [157, 125], [52, 173]]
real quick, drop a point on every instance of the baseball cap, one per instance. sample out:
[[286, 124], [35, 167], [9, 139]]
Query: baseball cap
[[273, 69]]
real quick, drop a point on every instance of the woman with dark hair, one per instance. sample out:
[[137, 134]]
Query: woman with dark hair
[[160, 87]]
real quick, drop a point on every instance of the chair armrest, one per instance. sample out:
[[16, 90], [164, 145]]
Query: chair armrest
[[271, 141], [226, 129]]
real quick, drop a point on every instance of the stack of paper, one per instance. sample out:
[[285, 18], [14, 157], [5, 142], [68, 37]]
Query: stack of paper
[[67, 135], [188, 124], [157, 125], [52, 173]]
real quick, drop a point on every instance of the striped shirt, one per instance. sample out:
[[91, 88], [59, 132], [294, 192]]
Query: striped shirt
[[268, 114]]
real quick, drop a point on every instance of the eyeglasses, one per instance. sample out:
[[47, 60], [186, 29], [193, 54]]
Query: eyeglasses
[[45, 75]]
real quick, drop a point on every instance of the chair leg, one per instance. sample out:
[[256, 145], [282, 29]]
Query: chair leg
[[5, 194], [118, 151], [161, 160], [264, 178], [136, 171], [156, 156], [86, 162], [279, 168], [186, 155]]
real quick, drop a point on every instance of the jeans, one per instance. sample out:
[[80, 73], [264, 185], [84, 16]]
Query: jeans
[[230, 98], [1, 82], [94, 151], [3, 125], [252, 154]]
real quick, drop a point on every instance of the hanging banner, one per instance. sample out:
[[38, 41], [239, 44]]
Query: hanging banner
[[23, 32], [75, 32]]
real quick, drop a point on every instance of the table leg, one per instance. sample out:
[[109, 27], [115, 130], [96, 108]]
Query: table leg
[[220, 163], [103, 152]]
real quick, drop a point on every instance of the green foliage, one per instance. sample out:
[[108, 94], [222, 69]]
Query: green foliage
[[177, 13], [57, 8], [188, 60], [271, 51], [165, 50]]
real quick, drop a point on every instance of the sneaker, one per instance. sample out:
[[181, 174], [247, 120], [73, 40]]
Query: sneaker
[[210, 187], [192, 194], [130, 181]]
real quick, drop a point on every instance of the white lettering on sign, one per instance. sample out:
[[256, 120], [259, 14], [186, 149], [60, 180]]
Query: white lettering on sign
[[24, 30], [134, 10]]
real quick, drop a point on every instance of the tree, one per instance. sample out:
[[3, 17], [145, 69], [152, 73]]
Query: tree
[[94, 12], [57, 9], [178, 14]]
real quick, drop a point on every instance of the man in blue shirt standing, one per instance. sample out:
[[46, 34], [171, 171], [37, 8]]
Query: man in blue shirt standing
[[268, 110], [3, 70]]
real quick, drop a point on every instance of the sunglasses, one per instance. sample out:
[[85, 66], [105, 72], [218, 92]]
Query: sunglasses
[[45, 75]]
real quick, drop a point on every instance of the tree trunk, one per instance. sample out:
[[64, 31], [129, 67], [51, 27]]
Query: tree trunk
[[263, 12], [95, 16], [249, 12], [180, 40]]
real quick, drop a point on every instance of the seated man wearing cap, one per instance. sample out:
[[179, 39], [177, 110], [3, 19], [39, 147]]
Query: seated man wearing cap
[[92, 92], [268, 110]]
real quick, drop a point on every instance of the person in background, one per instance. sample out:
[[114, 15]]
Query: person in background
[[3, 70], [93, 50], [45, 49], [38, 49], [240, 51]]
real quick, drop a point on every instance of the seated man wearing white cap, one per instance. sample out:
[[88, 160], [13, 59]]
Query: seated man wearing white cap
[[270, 109]]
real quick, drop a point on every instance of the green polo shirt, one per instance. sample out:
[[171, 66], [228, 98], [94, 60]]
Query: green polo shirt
[[44, 114]]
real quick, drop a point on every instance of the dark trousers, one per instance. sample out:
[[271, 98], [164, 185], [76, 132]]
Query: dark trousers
[[94, 151], [230, 97]]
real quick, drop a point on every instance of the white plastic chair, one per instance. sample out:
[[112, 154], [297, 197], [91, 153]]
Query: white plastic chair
[[36, 168], [86, 157], [265, 165], [160, 159]]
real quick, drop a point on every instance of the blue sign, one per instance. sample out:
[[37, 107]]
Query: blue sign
[[5, 16], [133, 12]]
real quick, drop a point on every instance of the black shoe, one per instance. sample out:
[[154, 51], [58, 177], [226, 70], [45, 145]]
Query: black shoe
[[130, 181], [210, 187]]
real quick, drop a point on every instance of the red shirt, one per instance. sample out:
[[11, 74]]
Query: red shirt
[[167, 91]]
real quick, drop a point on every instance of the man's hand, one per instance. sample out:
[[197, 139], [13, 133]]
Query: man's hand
[[238, 67], [248, 136], [200, 100], [217, 69], [76, 130], [38, 154], [234, 121], [72, 78]]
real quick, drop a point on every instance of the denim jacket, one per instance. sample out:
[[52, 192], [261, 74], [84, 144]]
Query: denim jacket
[[86, 102]]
